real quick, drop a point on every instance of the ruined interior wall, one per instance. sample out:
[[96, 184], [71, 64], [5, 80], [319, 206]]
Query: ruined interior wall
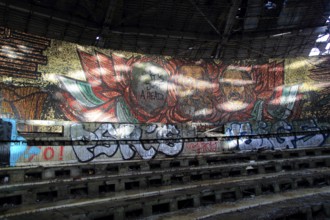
[[45, 79]]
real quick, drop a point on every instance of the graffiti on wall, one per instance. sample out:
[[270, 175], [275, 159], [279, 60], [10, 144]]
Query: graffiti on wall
[[202, 147], [114, 141], [282, 135], [123, 90], [109, 138]]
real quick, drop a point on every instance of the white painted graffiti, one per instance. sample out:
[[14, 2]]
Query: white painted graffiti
[[107, 139]]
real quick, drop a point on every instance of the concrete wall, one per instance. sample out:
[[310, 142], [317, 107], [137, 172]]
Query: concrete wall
[[106, 142], [43, 79]]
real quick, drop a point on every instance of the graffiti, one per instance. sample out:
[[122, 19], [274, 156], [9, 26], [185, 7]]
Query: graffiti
[[88, 152], [109, 138], [282, 135], [99, 142], [163, 131], [45, 153], [150, 88], [202, 147], [32, 152], [310, 139], [264, 106]]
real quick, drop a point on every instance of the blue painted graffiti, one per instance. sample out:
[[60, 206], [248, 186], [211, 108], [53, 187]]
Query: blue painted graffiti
[[33, 151], [282, 135]]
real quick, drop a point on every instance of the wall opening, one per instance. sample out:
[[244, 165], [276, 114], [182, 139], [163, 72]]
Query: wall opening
[[234, 173], [207, 200], [215, 175], [267, 188], [62, 173], [187, 203], [107, 188], [326, 151], [270, 169], [176, 179], [228, 196], [11, 201], [46, 196], [35, 176], [132, 185], [88, 171], [252, 171], [278, 156], [155, 182], [319, 181], [303, 183], [320, 164], [262, 157], [4, 179], [294, 154], [196, 177], [134, 167], [160, 208], [175, 164], [248, 192], [213, 161], [77, 192], [112, 169], [287, 167], [133, 214], [285, 186], [193, 163], [303, 165], [108, 217], [154, 166], [310, 153]]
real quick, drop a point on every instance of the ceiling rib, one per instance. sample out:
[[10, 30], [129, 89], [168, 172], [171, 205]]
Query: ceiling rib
[[205, 17], [228, 27], [192, 29], [165, 34], [58, 16], [104, 31]]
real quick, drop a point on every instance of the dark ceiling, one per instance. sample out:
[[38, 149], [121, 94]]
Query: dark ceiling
[[224, 29]]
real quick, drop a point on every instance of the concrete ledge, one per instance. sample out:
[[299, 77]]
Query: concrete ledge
[[162, 198]]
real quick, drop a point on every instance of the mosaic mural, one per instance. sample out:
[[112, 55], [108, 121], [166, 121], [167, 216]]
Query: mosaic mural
[[45, 79], [90, 84], [153, 89]]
